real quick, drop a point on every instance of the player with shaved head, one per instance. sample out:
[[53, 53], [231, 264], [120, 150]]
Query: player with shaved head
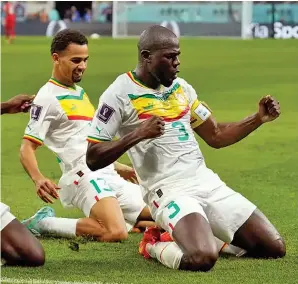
[[156, 114]]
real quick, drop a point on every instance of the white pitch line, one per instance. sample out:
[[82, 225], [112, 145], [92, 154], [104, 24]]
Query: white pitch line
[[46, 281]]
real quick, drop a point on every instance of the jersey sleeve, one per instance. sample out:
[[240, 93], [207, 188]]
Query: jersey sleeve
[[200, 111], [108, 117], [42, 113]]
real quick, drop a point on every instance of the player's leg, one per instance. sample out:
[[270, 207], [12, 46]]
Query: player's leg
[[144, 219], [18, 245], [145, 214], [235, 219], [134, 209], [90, 193], [8, 30], [13, 30], [259, 237], [224, 248], [44, 222], [194, 247], [98, 201]]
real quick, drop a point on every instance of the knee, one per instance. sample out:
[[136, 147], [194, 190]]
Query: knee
[[37, 258], [278, 249], [203, 260], [119, 235], [115, 235], [31, 257]]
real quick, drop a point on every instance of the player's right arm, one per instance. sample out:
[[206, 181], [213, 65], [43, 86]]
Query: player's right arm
[[102, 150], [19, 103], [41, 115]]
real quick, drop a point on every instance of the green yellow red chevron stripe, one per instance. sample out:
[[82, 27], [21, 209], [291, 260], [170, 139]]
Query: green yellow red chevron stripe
[[33, 139], [93, 139], [171, 105], [57, 83]]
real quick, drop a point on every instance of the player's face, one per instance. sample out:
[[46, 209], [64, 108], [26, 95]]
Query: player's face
[[165, 62], [72, 62]]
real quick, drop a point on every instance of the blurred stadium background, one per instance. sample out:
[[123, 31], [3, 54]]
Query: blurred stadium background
[[230, 75], [188, 18]]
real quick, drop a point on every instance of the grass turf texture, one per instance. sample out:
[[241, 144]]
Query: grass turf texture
[[230, 76]]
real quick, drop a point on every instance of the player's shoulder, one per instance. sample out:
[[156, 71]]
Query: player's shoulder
[[119, 85], [45, 95], [187, 87], [122, 79]]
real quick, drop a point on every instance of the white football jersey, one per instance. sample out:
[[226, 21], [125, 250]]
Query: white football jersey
[[60, 118], [171, 160]]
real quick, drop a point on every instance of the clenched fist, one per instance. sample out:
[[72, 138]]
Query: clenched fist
[[152, 128], [269, 109]]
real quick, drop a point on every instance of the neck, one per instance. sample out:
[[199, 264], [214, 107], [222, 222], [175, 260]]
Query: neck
[[147, 79], [62, 79]]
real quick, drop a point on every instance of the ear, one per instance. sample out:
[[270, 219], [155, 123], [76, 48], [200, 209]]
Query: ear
[[146, 55], [55, 57]]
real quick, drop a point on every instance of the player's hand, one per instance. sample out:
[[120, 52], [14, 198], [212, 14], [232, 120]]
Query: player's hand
[[126, 172], [46, 189], [152, 128], [269, 109], [19, 103]]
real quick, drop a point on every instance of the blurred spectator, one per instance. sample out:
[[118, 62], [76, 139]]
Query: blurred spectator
[[43, 16], [20, 12], [75, 15], [54, 15], [87, 16], [67, 15], [105, 11]]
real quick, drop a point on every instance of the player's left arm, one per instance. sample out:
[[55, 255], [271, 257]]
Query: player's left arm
[[219, 135]]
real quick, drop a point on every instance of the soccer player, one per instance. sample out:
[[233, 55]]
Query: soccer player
[[18, 245], [9, 21], [154, 111], [60, 118]]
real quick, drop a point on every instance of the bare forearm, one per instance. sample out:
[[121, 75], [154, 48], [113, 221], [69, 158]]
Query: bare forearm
[[103, 154], [29, 162], [5, 107], [230, 133]]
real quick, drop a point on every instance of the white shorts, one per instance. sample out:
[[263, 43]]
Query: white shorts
[[6, 216], [224, 209], [83, 192]]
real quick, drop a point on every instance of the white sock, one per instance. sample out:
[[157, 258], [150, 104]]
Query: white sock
[[60, 227], [168, 253], [228, 248], [128, 226]]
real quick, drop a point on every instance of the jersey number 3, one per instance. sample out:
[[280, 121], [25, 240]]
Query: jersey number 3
[[184, 135]]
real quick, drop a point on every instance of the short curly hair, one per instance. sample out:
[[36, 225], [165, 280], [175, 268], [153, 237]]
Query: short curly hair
[[65, 37]]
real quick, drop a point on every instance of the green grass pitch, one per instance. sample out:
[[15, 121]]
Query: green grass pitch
[[231, 76]]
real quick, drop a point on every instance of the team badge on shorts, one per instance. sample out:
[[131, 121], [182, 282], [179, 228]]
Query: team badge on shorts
[[105, 113], [159, 193], [35, 112]]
